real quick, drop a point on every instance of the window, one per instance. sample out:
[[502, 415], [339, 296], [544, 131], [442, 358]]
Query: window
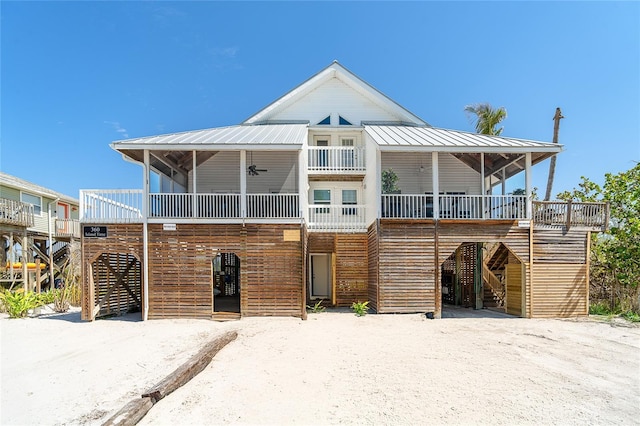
[[347, 154], [34, 200], [344, 122], [62, 211], [322, 155], [326, 121], [322, 196], [349, 198]]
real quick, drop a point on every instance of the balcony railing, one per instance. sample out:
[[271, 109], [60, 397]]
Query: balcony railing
[[412, 206], [111, 206], [67, 228], [16, 213], [336, 160], [278, 206], [332, 218], [568, 214]]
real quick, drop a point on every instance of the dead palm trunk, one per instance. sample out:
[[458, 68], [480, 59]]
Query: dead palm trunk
[[552, 164]]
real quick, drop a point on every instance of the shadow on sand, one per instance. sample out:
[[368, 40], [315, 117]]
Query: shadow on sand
[[450, 311], [74, 317]]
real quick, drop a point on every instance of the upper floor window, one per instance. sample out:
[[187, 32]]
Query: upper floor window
[[35, 200], [343, 121], [325, 121]]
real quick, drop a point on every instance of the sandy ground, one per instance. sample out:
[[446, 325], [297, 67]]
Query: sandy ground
[[333, 368]]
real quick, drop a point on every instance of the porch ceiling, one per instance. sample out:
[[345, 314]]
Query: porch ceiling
[[494, 163]]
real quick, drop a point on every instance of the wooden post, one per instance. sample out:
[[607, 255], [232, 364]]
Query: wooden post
[[552, 163], [438, 279], [569, 208], [25, 259], [38, 275], [482, 185]]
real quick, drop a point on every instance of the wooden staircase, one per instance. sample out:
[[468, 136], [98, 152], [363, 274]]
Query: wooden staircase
[[494, 290]]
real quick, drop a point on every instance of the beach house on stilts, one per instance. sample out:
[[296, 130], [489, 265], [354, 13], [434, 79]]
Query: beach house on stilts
[[333, 192]]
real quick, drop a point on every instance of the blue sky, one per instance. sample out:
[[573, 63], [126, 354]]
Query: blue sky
[[76, 76]]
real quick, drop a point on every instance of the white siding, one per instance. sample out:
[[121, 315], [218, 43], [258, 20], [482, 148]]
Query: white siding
[[282, 174], [221, 173], [455, 176], [335, 97], [372, 180]]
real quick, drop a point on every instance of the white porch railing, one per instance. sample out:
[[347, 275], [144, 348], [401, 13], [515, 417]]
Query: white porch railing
[[410, 206], [336, 159], [273, 206], [67, 228], [325, 217], [112, 206], [225, 206]]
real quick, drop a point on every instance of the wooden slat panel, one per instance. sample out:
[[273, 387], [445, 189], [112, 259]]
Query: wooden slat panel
[[273, 272], [558, 246], [514, 288], [406, 281], [560, 290], [452, 234], [321, 242], [122, 238], [351, 268], [372, 260]]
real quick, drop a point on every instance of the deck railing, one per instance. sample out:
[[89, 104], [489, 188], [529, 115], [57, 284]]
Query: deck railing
[[273, 206], [418, 206], [570, 213], [67, 228], [336, 159], [16, 213], [113, 206], [347, 217]]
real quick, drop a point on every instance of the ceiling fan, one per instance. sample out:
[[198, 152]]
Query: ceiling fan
[[253, 170]]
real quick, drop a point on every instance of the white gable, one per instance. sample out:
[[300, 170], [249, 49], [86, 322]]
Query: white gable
[[335, 98], [334, 92]]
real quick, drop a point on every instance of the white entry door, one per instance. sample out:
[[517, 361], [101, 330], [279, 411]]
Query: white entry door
[[320, 276]]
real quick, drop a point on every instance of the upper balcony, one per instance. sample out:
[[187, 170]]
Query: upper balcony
[[336, 160], [126, 206], [593, 215], [16, 213], [475, 207]]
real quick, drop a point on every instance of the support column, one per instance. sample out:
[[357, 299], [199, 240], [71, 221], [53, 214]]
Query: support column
[[243, 183], [527, 180], [194, 186], [436, 185], [145, 238], [504, 183], [482, 186]]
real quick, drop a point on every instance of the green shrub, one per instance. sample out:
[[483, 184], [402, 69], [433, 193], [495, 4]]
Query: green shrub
[[18, 303], [317, 308], [600, 308], [360, 308], [630, 316]]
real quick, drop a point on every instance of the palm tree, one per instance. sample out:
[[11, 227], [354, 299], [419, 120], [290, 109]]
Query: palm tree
[[487, 118]]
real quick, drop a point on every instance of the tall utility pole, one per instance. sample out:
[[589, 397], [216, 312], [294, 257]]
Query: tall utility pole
[[552, 164]]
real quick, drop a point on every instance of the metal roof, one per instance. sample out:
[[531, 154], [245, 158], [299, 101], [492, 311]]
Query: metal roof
[[408, 137], [23, 185], [270, 136]]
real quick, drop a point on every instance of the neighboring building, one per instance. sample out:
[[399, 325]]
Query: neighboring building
[[289, 207], [42, 221]]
